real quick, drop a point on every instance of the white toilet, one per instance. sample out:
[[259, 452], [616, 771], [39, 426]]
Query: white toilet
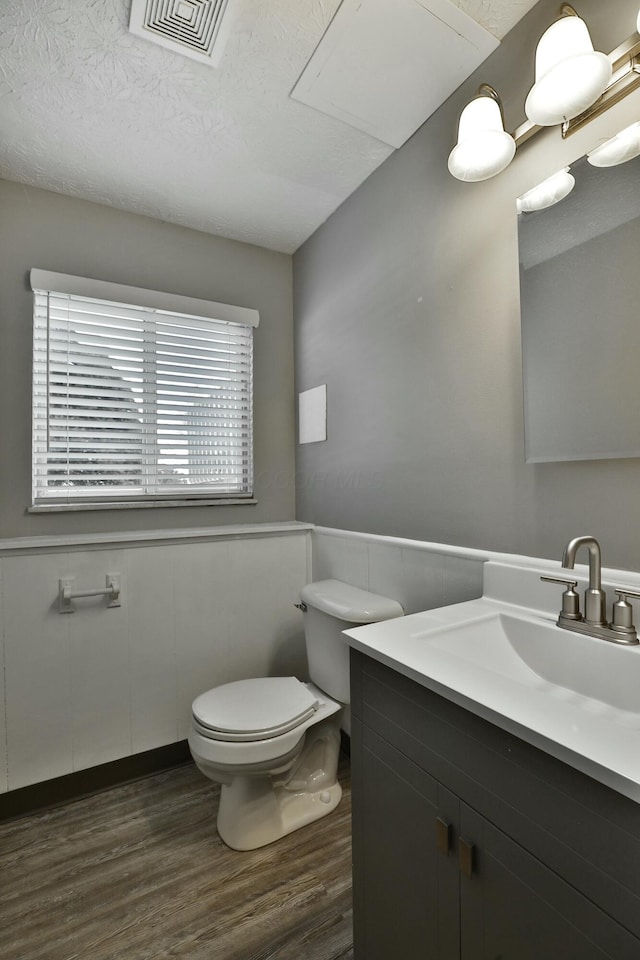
[[273, 743]]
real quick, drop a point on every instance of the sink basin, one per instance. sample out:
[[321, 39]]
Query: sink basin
[[573, 696], [536, 653]]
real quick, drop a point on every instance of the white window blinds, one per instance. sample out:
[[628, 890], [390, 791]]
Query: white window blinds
[[137, 403]]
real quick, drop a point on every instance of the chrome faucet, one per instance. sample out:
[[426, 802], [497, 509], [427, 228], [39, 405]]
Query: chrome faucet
[[595, 600], [594, 622]]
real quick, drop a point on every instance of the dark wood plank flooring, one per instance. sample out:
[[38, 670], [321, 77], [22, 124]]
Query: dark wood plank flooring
[[139, 872]]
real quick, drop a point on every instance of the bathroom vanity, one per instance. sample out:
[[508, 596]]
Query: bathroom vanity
[[475, 835]]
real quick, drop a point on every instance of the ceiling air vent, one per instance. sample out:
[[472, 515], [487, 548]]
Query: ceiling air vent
[[194, 28]]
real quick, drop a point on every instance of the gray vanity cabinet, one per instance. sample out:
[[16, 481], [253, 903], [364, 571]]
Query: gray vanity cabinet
[[469, 844], [407, 903]]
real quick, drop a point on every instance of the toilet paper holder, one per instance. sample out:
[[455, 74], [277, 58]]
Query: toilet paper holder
[[66, 593]]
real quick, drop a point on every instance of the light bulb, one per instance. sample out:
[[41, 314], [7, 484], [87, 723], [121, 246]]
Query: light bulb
[[570, 75], [484, 148]]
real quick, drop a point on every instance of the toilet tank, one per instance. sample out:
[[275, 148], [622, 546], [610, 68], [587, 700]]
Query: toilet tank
[[331, 607]]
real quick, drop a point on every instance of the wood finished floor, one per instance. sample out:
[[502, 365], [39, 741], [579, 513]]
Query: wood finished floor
[[139, 872]]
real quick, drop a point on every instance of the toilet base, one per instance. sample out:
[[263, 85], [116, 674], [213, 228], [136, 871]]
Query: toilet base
[[257, 810]]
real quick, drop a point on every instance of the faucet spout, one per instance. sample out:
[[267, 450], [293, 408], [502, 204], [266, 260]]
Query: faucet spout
[[595, 559], [595, 599]]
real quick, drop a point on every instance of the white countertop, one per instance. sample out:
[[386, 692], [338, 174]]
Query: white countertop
[[573, 696]]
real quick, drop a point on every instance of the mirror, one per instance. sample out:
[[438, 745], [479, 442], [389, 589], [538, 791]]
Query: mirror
[[580, 306]]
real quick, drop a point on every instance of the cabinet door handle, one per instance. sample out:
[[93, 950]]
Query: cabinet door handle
[[443, 835], [465, 857]]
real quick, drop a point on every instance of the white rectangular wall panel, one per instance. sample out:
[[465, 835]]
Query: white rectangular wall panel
[[152, 647], [206, 601], [100, 669], [268, 631], [384, 66], [37, 670], [312, 415]]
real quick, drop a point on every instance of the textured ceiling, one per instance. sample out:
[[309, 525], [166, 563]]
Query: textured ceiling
[[89, 110]]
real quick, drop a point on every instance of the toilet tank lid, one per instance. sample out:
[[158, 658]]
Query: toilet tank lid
[[348, 603]]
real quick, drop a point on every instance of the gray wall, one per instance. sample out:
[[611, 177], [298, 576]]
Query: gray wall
[[53, 232], [407, 306]]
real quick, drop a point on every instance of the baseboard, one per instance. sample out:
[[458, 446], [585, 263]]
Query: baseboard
[[73, 786]]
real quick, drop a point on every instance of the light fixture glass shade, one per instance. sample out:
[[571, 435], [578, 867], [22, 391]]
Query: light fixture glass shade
[[484, 148], [638, 23], [545, 194], [624, 146], [570, 75]]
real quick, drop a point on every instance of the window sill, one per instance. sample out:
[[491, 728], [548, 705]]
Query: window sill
[[136, 505]]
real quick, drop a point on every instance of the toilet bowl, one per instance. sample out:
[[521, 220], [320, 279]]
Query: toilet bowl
[[273, 780], [273, 743]]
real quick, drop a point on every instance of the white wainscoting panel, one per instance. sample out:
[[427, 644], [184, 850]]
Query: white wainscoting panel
[[268, 624], [100, 668], [152, 625], [38, 691], [341, 558], [247, 626], [463, 579], [104, 683], [205, 605], [412, 577], [420, 576]]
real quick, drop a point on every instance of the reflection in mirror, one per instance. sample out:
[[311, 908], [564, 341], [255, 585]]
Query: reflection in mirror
[[624, 146], [545, 194], [580, 307]]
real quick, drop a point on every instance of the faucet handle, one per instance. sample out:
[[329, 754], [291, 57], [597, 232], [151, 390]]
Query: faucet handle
[[622, 614], [623, 593], [570, 599]]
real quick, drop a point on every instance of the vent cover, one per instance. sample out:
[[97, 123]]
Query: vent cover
[[194, 28]]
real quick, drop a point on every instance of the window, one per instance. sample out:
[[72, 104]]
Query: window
[[138, 396]]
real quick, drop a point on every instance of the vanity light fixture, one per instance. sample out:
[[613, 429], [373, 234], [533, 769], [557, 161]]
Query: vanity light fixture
[[624, 146], [569, 74], [573, 84], [484, 148], [545, 194]]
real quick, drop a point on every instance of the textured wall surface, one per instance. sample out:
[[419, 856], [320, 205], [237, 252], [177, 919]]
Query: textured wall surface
[[407, 307], [90, 110]]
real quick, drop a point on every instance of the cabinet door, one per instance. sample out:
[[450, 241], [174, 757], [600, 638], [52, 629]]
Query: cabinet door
[[515, 908], [406, 901]]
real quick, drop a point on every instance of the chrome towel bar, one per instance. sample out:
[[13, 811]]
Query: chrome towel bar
[[66, 593]]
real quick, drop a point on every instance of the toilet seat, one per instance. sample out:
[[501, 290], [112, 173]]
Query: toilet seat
[[250, 710], [254, 755]]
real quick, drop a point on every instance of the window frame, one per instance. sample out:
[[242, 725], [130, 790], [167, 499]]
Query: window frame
[[155, 311]]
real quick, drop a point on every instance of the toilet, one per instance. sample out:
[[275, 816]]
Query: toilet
[[273, 743]]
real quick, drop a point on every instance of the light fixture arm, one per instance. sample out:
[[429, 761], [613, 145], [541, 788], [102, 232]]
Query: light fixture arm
[[566, 10], [486, 90]]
